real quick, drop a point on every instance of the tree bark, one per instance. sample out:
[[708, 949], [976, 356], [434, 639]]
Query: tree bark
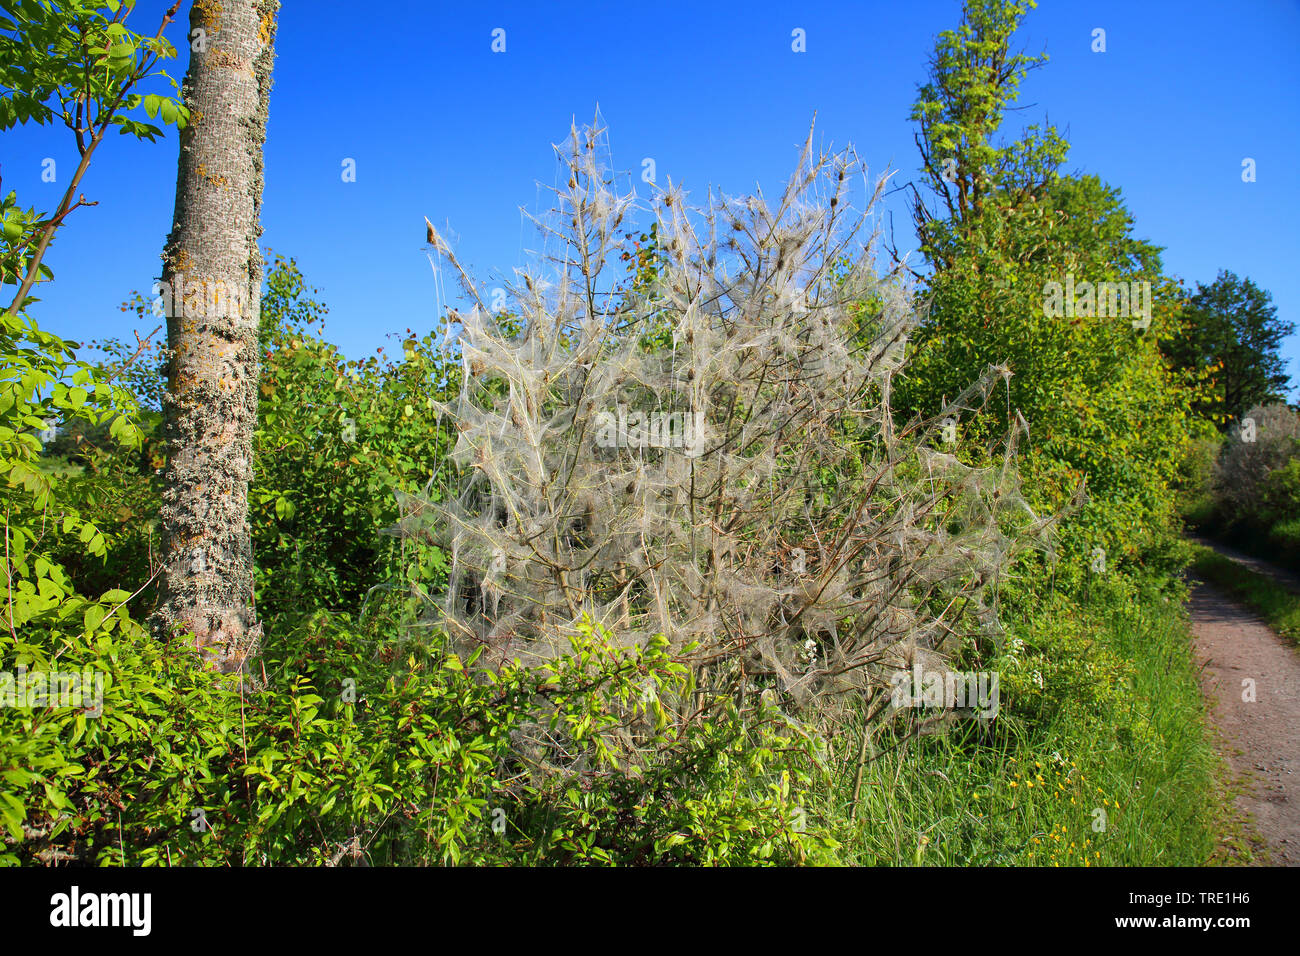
[[211, 289]]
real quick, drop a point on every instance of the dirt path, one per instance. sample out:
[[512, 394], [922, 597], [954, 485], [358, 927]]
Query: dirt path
[[1286, 578], [1261, 738]]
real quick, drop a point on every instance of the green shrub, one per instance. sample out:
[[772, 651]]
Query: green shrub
[[1284, 540], [1257, 486], [1266, 439], [360, 749], [337, 441], [1195, 481]]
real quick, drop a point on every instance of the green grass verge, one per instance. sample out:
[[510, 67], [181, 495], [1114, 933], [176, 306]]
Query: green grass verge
[[1278, 606], [1099, 756]]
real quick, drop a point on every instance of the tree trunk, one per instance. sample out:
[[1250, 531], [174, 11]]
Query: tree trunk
[[211, 288]]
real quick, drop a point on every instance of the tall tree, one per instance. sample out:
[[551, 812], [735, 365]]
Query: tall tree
[[1231, 327], [1000, 226], [974, 78], [211, 285]]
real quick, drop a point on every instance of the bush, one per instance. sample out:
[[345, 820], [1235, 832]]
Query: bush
[[360, 752], [1257, 485], [1265, 440], [337, 440], [786, 529], [1196, 480], [118, 749]]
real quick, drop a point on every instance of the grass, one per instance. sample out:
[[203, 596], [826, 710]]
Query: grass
[[1101, 759], [1278, 606], [1274, 541]]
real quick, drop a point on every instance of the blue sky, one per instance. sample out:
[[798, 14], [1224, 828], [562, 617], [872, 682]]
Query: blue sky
[[440, 126]]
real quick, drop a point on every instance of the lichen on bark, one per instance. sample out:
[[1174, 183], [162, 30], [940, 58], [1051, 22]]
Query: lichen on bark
[[213, 266]]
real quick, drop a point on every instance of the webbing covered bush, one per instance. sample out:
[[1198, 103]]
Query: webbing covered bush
[[707, 451]]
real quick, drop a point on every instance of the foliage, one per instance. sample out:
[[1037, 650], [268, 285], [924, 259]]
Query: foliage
[[44, 519], [1280, 508], [973, 80], [337, 441], [41, 384], [362, 752], [1231, 328], [1196, 479], [1101, 406], [77, 63], [1256, 489]]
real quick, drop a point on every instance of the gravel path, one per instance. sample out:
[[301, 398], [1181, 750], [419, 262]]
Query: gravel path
[[1261, 737]]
